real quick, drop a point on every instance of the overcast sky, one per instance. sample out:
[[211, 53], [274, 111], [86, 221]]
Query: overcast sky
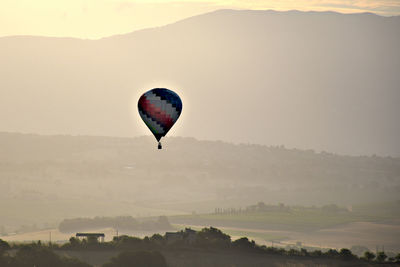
[[101, 18]]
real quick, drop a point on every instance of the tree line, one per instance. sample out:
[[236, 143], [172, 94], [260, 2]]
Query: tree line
[[149, 249], [262, 207]]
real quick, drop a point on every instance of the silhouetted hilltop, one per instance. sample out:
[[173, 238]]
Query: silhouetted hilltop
[[207, 247], [320, 80]]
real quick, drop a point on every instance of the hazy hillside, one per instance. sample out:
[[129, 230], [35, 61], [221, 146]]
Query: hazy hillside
[[49, 178], [325, 81]]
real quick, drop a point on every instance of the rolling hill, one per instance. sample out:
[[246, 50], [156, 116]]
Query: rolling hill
[[45, 179]]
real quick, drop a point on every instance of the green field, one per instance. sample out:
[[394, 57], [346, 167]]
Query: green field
[[297, 218]]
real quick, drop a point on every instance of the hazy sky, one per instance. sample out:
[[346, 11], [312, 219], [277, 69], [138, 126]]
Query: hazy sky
[[100, 18]]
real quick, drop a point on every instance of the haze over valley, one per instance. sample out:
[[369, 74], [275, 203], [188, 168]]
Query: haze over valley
[[45, 179]]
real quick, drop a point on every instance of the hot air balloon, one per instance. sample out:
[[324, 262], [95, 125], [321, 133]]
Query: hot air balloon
[[160, 108]]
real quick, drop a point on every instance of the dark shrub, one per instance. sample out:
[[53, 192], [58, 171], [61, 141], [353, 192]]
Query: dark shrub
[[243, 243], [29, 256], [138, 259], [346, 254], [3, 246], [369, 256], [381, 256]]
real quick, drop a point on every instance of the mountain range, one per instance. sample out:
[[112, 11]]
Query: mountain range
[[308, 80]]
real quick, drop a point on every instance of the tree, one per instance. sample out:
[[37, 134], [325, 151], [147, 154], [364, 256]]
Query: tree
[[293, 252], [36, 257], [125, 241], [304, 252], [138, 259], [75, 242], [43, 257], [346, 254], [4, 258], [332, 253], [157, 237], [316, 253], [397, 258], [3, 246], [213, 234], [244, 243], [381, 256], [213, 237], [369, 256]]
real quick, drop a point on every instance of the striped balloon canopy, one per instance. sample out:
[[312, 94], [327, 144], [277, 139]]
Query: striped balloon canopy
[[160, 108]]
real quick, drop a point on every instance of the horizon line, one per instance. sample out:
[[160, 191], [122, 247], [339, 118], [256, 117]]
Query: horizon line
[[282, 146], [199, 15]]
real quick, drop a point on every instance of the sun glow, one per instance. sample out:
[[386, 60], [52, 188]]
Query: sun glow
[[101, 18]]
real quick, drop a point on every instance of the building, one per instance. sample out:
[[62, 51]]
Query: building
[[91, 235], [188, 236]]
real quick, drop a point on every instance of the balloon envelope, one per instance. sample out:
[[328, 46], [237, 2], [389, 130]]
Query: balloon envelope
[[160, 108]]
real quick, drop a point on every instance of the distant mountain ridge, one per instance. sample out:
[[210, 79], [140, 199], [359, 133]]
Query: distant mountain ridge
[[319, 80]]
